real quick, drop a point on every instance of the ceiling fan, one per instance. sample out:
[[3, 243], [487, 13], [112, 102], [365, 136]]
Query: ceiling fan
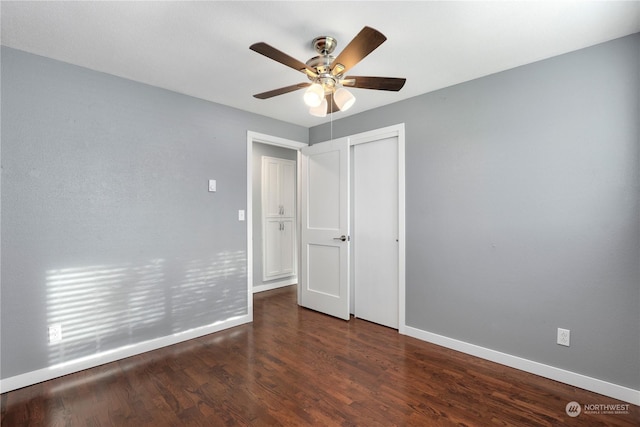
[[326, 91]]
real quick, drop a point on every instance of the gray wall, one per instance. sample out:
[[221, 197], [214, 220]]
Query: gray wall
[[260, 150], [107, 225], [523, 209]]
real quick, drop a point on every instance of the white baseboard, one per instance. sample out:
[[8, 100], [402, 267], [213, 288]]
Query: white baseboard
[[275, 285], [578, 380], [45, 374]]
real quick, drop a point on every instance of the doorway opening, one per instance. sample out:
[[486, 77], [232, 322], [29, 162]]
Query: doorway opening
[[259, 147], [373, 144]]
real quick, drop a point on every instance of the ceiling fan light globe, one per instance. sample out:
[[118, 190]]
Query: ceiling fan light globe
[[344, 99], [314, 95], [320, 110]]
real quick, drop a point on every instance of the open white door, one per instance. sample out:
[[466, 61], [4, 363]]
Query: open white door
[[324, 278]]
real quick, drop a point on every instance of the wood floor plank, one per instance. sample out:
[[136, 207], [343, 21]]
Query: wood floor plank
[[296, 367]]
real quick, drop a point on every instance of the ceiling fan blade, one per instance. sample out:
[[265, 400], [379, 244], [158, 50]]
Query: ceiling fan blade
[[362, 45], [281, 91], [377, 83], [281, 57]]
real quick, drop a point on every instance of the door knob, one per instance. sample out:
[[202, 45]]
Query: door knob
[[342, 238]]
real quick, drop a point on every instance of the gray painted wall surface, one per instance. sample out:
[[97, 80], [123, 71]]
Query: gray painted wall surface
[[260, 150], [107, 225], [523, 211]]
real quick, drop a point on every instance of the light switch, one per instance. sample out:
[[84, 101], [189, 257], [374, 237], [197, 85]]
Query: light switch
[[212, 185], [241, 215]]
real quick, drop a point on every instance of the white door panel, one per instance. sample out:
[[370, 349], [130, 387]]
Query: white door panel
[[375, 204], [324, 191], [288, 248], [325, 219], [272, 257], [288, 189], [323, 276], [270, 190]]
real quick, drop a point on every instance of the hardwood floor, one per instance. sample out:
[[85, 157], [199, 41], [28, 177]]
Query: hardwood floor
[[293, 366]]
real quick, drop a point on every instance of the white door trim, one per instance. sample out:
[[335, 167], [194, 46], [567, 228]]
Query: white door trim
[[374, 135], [269, 140]]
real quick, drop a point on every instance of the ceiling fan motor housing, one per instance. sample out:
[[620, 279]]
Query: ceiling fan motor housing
[[322, 64], [324, 45]]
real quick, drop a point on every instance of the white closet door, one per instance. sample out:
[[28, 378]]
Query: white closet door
[[375, 185], [288, 188], [271, 204], [288, 248], [272, 254], [278, 206]]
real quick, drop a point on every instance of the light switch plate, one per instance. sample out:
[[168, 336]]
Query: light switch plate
[[241, 215], [212, 185]]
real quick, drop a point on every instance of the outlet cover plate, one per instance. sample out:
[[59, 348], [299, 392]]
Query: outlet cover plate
[[564, 337], [55, 333]]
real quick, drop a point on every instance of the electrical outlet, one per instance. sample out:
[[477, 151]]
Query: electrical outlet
[[55, 333], [564, 337]]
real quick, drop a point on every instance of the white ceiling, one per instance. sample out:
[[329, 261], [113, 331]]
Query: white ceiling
[[202, 48]]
